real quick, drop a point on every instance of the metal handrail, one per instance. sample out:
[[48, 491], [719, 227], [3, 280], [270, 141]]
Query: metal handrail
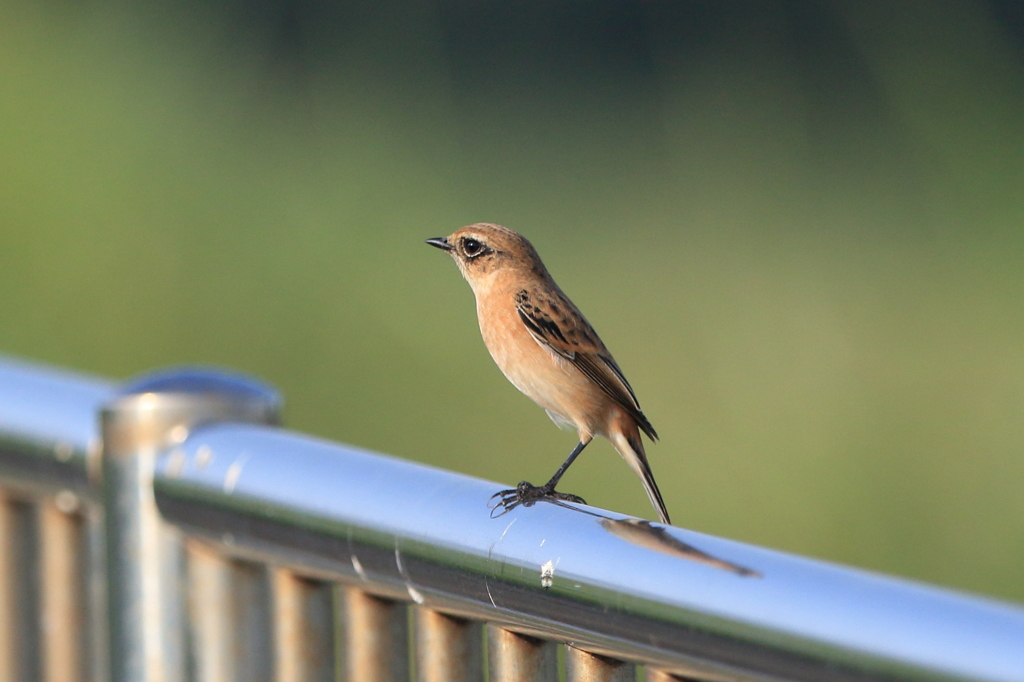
[[674, 599], [49, 438], [52, 567], [577, 574]]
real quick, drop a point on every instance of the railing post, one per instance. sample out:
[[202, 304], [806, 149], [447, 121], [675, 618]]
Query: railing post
[[144, 557]]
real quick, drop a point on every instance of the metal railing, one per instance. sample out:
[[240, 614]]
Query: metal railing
[[201, 542]]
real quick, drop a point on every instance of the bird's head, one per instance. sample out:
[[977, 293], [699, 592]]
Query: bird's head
[[483, 251]]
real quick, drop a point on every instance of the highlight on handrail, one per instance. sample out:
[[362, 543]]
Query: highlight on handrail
[[169, 530]]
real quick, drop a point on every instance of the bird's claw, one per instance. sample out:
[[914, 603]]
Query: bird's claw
[[527, 494]]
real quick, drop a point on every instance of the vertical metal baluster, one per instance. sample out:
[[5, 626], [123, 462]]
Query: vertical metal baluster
[[251, 622], [210, 627], [147, 416], [376, 638], [96, 585], [64, 649], [581, 666], [10, 667], [303, 628], [517, 658], [448, 649], [19, 624], [10, 659], [229, 617]]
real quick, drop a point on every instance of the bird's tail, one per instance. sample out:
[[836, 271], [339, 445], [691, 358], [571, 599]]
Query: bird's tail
[[629, 445]]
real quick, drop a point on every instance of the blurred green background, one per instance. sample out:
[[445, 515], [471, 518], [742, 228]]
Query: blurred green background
[[797, 225]]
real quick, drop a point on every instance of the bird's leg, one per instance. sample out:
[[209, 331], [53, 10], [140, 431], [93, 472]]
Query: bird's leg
[[527, 493], [550, 485]]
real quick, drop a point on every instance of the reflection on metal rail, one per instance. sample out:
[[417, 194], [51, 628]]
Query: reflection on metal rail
[[235, 550]]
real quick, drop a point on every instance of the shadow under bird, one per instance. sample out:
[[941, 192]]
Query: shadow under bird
[[548, 350]]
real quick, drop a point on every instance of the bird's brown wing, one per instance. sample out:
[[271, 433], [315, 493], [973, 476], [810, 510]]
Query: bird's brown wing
[[554, 322]]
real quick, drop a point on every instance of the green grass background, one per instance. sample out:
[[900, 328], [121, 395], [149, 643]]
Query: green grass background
[[798, 226]]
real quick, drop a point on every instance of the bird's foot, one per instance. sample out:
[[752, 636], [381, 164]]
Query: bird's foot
[[527, 494]]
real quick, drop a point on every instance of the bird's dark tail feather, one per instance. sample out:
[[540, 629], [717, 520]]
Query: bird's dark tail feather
[[632, 450]]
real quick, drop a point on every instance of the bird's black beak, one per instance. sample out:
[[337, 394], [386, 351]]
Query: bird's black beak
[[441, 243]]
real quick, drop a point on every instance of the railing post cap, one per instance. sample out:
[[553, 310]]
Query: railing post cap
[[241, 397], [198, 380]]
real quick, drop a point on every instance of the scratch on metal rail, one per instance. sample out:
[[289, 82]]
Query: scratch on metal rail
[[234, 473], [489, 595], [398, 561], [358, 566], [415, 594], [511, 523]]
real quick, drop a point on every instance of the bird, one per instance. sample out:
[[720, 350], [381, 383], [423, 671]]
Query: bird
[[544, 345]]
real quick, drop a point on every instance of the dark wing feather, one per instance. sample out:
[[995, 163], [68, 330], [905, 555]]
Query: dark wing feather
[[556, 323]]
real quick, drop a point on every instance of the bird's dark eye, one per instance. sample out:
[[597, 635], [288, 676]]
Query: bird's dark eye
[[472, 247]]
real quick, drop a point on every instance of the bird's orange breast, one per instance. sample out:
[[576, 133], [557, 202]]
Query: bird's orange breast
[[548, 379]]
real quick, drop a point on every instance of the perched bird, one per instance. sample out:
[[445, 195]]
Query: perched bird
[[549, 351]]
